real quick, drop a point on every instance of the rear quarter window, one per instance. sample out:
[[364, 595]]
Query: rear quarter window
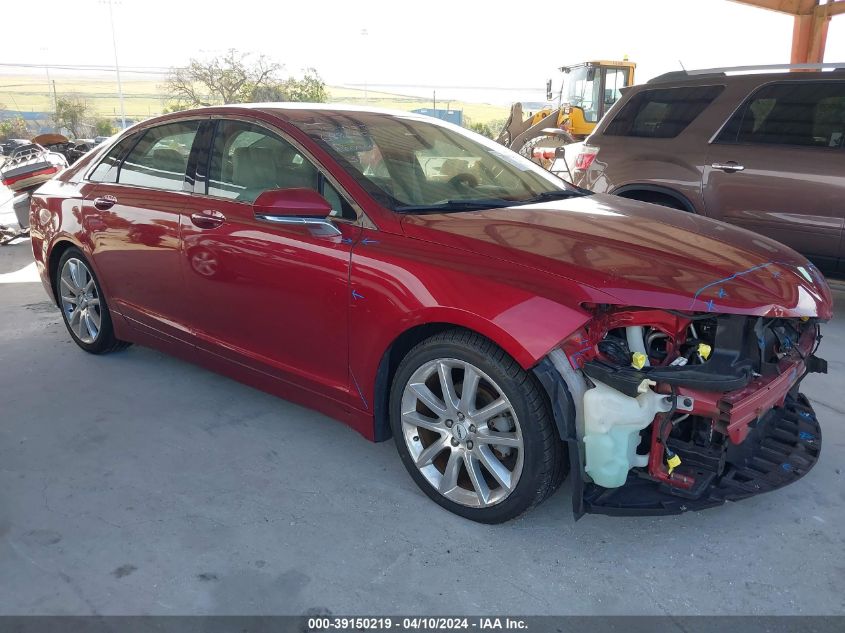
[[662, 112], [108, 168], [796, 113], [159, 160]]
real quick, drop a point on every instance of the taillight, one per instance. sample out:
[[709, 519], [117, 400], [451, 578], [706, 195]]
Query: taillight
[[586, 158]]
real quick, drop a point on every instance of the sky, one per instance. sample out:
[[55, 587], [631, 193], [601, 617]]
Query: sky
[[421, 43]]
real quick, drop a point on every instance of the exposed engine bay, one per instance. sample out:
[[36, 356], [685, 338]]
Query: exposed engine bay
[[685, 411]]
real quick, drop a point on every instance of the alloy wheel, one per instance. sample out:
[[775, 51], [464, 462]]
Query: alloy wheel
[[80, 300], [462, 432]]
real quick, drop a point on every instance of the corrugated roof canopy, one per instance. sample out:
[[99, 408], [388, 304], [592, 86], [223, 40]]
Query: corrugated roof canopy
[[799, 7]]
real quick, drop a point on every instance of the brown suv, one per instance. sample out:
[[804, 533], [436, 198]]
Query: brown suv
[[762, 151]]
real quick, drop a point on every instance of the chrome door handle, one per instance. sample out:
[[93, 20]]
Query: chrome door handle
[[105, 202], [208, 219], [728, 167]]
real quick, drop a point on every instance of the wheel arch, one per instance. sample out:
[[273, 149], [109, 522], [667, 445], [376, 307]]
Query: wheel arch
[[521, 345], [56, 251], [390, 359], [625, 191]]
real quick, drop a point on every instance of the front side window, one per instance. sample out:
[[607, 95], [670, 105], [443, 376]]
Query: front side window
[[662, 112], [808, 113], [408, 163], [247, 160], [107, 170], [160, 158]]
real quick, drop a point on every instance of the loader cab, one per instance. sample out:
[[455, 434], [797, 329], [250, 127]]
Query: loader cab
[[588, 92]]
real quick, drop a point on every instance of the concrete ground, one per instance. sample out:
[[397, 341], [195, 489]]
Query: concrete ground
[[138, 484]]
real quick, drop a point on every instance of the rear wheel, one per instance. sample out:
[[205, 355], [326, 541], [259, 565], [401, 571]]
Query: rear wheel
[[473, 428], [84, 309]]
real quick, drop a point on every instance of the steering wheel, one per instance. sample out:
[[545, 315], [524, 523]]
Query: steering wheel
[[465, 179]]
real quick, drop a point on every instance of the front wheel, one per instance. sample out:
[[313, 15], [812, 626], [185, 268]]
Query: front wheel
[[474, 429]]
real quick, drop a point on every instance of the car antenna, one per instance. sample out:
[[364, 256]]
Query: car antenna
[[682, 65]]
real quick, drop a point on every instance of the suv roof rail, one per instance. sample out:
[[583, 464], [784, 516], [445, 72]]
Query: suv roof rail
[[720, 72]]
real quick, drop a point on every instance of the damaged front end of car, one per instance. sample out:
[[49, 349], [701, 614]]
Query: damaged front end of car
[[668, 411]]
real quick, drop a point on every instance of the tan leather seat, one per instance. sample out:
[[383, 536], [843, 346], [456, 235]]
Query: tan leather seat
[[253, 168], [258, 169]]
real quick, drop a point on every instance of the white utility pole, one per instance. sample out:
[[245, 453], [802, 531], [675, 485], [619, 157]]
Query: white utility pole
[[364, 34], [51, 85], [117, 67]]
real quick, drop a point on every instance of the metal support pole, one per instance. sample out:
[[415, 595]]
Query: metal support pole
[[809, 35]]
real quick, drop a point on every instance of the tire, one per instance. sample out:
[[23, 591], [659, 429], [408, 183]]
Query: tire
[[447, 440], [73, 272]]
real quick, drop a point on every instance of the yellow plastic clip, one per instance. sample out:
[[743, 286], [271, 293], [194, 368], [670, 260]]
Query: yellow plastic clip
[[638, 360], [673, 462], [704, 351]]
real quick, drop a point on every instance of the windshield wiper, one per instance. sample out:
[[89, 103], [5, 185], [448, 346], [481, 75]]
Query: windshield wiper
[[445, 206], [560, 194]]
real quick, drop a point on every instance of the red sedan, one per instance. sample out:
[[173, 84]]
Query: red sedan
[[414, 279]]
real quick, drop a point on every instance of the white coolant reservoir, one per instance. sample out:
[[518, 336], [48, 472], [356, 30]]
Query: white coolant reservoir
[[612, 422]]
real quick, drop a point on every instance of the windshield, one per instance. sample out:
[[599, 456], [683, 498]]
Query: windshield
[[581, 89], [412, 164]]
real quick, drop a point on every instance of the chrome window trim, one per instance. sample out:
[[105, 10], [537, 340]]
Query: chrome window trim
[[127, 187], [750, 96]]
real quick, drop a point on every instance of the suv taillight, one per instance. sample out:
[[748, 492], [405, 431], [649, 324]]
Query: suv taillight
[[586, 158]]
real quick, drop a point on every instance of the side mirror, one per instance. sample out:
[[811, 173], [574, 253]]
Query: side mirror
[[291, 203], [301, 207]]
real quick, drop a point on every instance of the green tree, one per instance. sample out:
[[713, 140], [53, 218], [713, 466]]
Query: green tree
[[311, 88], [71, 113], [490, 129], [231, 78], [174, 107], [13, 128], [103, 127]]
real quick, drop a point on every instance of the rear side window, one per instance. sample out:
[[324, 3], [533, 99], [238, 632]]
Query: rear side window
[[810, 114], [160, 158], [108, 168], [663, 112]]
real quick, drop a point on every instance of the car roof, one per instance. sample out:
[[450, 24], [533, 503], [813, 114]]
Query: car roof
[[294, 113], [684, 78], [294, 110]]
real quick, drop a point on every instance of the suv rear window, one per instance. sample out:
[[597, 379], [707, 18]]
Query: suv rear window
[[662, 112], [808, 113]]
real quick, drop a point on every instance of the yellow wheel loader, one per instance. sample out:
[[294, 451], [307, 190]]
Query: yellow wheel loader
[[588, 90]]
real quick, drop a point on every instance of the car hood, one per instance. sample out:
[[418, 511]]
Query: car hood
[[640, 254]]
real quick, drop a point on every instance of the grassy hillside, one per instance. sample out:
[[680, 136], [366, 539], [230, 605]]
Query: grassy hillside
[[145, 97]]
